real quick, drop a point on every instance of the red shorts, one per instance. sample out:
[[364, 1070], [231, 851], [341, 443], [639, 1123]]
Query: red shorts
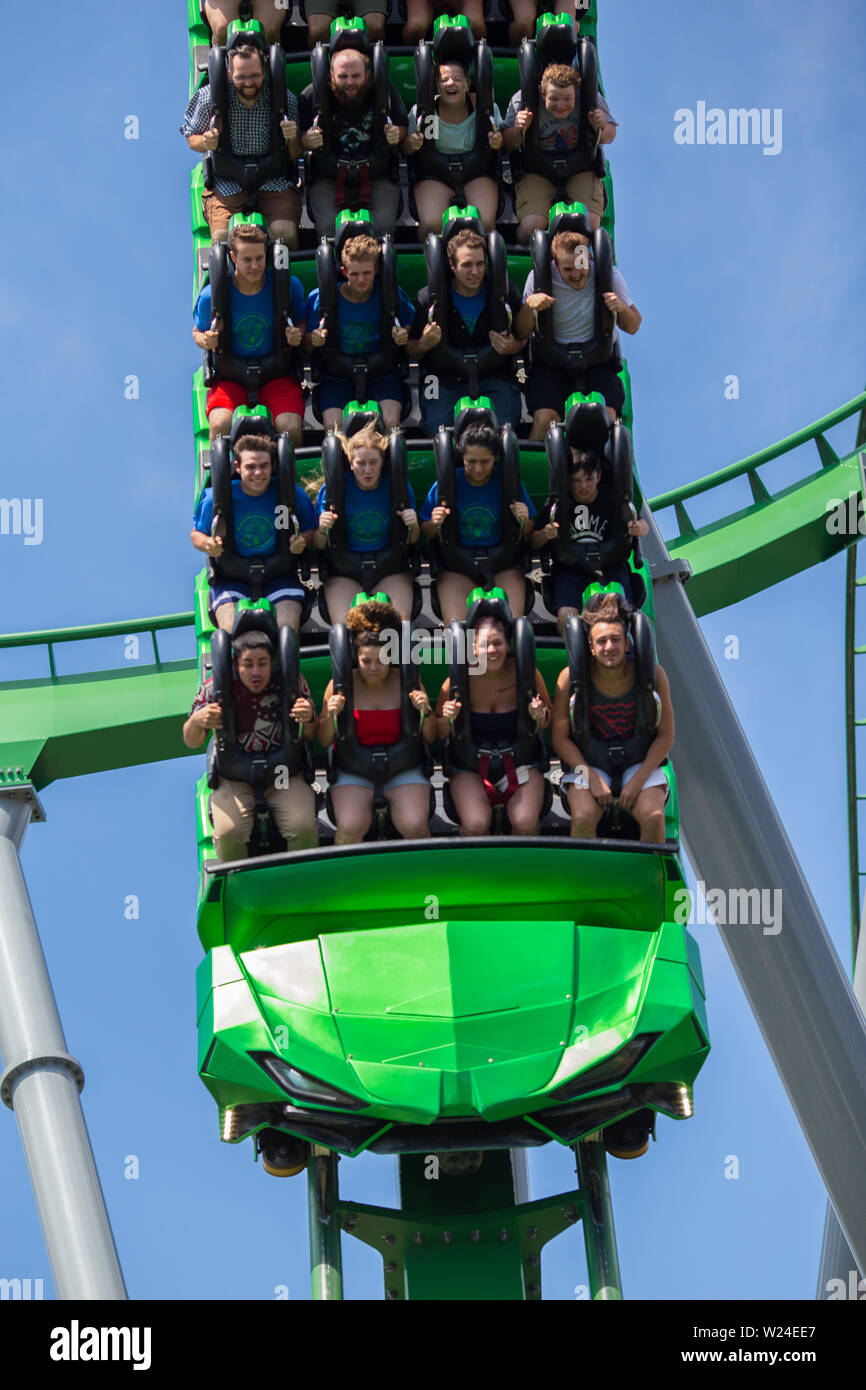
[[282, 396]]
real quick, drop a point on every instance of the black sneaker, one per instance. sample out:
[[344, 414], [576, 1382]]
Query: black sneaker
[[629, 1138]]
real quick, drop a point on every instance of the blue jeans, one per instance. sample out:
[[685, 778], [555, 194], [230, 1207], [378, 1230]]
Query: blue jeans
[[504, 397]]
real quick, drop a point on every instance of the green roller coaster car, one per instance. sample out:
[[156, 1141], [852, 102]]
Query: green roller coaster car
[[448, 994]]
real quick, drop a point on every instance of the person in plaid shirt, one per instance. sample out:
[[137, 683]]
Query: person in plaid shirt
[[256, 698], [249, 135]]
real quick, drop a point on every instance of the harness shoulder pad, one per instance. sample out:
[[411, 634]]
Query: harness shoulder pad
[[342, 665], [223, 682], [527, 68], [333, 466], [510, 468], [217, 79], [588, 67]]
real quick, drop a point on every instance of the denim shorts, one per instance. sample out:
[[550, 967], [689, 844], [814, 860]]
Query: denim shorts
[[413, 778]]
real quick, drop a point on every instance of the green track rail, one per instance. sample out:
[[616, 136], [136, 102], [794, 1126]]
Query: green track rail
[[779, 534]]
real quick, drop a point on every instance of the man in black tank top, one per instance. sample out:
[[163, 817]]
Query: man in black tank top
[[613, 719]]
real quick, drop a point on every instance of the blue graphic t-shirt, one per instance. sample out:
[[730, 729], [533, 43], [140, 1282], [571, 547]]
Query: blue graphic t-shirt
[[479, 509], [254, 517], [470, 307], [368, 514], [252, 316], [360, 324]]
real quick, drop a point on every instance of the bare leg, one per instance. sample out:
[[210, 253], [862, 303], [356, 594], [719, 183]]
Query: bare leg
[[331, 418], [484, 195], [292, 425], [375, 26], [585, 813], [563, 616], [419, 17], [514, 584], [339, 593], [649, 812], [219, 422], [471, 804], [454, 590], [431, 200], [410, 811], [225, 616], [288, 613], [400, 590], [219, 16], [523, 23], [353, 810], [391, 412], [528, 225], [541, 422], [271, 17], [318, 28], [474, 12], [524, 808]]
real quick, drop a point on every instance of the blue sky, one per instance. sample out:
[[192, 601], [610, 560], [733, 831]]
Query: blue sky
[[740, 263]]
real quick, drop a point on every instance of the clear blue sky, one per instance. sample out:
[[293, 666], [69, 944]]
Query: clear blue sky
[[740, 263]]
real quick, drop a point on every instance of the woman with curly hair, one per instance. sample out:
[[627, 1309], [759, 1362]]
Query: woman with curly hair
[[377, 709]]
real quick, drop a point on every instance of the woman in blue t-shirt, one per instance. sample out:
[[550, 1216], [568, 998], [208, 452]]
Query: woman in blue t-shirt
[[366, 523], [479, 513]]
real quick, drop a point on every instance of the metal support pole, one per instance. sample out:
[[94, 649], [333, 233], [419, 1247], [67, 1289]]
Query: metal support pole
[[605, 1282], [520, 1170], [41, 1084], [792, 977], [326, 1257], [837, 1262]]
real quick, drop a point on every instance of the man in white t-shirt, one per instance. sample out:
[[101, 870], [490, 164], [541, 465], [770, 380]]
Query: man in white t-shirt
[[573, 305]]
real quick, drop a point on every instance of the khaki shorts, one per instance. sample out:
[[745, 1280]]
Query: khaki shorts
[[534, 196], [274, 207]]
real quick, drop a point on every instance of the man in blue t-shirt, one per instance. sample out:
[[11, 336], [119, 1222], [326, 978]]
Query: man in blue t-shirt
[[256, 518], [479, 521], [467, 330], [361, 333], [252, 319]]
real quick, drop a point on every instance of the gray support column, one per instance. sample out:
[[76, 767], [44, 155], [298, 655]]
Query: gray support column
[[837, 1262], [41, 1084], [794, 981]]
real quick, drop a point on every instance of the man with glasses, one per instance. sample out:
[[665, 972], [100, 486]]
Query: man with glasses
[[248, 109], [255, 519]]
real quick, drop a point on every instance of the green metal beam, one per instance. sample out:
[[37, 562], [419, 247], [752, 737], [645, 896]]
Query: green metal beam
[[64, 726], [747, 465], [461, 1238]]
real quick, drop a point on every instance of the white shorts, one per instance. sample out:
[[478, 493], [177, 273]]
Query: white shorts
[[656, 778]]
